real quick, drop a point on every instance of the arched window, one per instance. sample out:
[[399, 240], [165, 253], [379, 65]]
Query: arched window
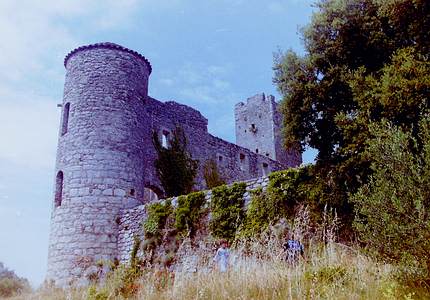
[[65, 118], [59, 188]]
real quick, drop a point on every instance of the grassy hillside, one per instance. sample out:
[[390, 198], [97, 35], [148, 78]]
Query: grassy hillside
[[258, 270]]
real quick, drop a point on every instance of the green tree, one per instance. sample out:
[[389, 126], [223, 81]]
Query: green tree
[[393, 209], [363, 62], [343, 36], [174, 165]]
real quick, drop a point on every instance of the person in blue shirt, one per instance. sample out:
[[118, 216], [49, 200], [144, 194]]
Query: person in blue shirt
[[293, 250]]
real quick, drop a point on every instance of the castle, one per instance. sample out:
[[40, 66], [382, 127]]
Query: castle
[[105, 156]]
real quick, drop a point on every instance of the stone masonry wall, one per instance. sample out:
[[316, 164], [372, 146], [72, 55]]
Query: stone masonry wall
[[258, 128], [130, 220], [105, 156], [234, 162], [100, 162]]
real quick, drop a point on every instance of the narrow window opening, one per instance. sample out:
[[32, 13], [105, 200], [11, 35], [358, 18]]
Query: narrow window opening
[[165, 139], [132, 192], [149, 195], [267, 154], [256, 150], [59, 189], [265, 169], [220, 158], [243, 162], [65, 118]]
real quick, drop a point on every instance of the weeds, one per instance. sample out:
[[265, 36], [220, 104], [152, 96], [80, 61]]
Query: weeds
[[258, 270]]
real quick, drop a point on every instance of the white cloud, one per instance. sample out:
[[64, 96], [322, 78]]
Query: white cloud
[[35, 37], [29, 130], [199, 93], [37, 34], [200, 83], [167, 81]]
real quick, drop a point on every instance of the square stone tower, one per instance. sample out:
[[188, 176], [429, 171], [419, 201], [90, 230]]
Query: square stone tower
[[258, 128]]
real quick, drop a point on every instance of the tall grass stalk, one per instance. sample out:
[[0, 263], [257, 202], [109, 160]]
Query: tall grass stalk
[[258, 270]]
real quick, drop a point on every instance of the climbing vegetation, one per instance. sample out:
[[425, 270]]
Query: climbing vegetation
[[286, 191], [227, 208], [188, 212], [158, 213], [167, 226]]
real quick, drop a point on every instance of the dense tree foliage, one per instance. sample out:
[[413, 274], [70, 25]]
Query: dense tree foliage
[[393, 209], [175, 167], [364, 60]]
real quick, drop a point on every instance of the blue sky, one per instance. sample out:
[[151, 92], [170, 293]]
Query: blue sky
[[208, 54]]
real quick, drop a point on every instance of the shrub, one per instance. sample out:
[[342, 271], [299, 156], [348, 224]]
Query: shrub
[[11, 284], [286, 191], [94, 294], [157, 214], [393, 217], [256, 216], [211, 174], [227, 208]]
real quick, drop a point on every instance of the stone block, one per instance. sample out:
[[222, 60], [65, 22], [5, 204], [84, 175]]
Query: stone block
[[108, 192]]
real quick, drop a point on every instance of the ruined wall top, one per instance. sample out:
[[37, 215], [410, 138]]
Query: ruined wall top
[[257, 100], [108, 45]]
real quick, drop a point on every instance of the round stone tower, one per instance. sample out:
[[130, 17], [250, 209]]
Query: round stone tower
[[100, 157]]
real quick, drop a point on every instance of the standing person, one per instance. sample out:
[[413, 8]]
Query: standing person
[[294, 249], [222, 256]]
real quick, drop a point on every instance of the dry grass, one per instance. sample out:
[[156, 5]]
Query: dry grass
[[258, 271], [331, 271]]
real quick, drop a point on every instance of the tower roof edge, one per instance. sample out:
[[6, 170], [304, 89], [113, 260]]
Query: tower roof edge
[[108, 45]]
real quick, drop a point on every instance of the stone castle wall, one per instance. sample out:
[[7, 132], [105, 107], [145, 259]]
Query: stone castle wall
[[234, 162], [130, 220], [105, 156]]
